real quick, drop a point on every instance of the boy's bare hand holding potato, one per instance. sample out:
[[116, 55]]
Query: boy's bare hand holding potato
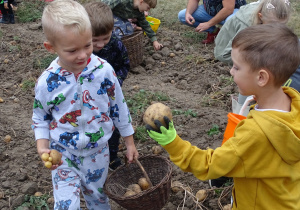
[[51, 158]]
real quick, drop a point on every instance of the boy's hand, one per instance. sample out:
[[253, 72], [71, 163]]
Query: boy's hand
[[43, 147], [131, 149], [157, 45], [6, 5], [166, 136]]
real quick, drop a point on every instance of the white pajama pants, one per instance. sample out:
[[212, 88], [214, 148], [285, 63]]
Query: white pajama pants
[[81, 174]]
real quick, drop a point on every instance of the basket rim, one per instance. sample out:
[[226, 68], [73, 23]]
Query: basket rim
[[131, 36], [163, 181]]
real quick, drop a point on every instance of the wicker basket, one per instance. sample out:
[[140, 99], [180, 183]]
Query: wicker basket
[[135, 48], [159, 170]]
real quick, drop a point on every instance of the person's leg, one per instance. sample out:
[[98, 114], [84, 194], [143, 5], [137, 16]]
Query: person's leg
[[66, 186], [200, 16], [113, 143], [95, 170], [122, 27], [5, 17], [10, 12]]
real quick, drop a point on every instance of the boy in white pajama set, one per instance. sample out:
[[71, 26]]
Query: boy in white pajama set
[[78, 101]]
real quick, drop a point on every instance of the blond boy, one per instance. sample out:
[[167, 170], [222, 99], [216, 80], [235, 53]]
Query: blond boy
[[76, 88]]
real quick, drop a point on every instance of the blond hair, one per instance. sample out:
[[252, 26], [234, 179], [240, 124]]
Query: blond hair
[[64, 14], [101, 18], [272, 11], [273, 47]]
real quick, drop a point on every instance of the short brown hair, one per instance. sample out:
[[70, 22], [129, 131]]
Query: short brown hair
[[151, 3], [273, 47], [101, 18]]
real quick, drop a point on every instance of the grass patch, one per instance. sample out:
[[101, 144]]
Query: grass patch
[[142, 99], [141, 133], [44, 62], [28, 84], [188, 112], [35, 202], [30, 11], [215, 130]]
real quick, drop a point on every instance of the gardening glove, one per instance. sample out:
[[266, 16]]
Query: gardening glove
[[166, 135]]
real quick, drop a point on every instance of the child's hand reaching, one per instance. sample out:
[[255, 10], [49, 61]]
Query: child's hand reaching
[[157, 45]]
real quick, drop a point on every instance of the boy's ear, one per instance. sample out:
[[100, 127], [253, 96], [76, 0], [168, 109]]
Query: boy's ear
[[263, 77], [260, 17], [49, 47]]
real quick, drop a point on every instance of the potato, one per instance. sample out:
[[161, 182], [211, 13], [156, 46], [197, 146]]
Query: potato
[[48, 164], [144, 184], [157, 150], [177, 186], [129, 193], [201, 195], [227, 207], [156, 112], [38, 194], [135, 188], [56, 157], [45, 156]]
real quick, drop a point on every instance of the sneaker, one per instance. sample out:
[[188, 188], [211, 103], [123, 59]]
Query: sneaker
[[114, 164], [210, 37], [220, 182]]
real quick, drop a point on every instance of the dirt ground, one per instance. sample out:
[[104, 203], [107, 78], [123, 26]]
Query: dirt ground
[[192, 79]]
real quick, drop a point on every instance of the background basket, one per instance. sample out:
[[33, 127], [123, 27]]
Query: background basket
[[134, 46], [159, 170]]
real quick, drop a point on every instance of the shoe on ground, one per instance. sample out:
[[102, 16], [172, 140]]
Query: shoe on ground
[[115, 163], [220, 182], [210, 37]]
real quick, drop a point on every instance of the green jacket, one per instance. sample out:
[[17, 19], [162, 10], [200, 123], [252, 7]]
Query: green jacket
[[263, 157], [241, 20], [124, 9]]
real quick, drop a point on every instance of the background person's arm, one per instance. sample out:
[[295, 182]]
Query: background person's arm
[[190, 9], [228, 8]]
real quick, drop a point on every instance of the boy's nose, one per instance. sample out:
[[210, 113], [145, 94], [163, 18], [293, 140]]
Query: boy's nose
[[231, 71]]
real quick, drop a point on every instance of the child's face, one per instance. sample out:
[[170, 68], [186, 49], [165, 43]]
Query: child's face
[[100, 41], [242, 74], [73, 49]]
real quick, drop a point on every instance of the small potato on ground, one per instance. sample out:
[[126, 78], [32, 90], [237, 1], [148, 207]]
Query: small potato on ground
[[201, 195]]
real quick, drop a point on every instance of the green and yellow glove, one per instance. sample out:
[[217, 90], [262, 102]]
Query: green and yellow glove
[[166, 135]]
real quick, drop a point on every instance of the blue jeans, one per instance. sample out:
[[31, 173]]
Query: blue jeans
[[201, 16]]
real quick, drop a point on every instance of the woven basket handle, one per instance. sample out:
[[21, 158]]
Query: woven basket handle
[[144, 172], [119, 29]]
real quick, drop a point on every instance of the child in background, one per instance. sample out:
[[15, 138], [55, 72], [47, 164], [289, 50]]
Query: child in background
[[108, 46], [262, 12], [263, 155], [6, 8], [78, 103], [131, 9]]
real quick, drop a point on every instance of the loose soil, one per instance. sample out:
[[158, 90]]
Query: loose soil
[[193, 79]]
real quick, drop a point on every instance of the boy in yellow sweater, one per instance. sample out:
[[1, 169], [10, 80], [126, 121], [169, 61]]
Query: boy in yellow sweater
[[263, 156]]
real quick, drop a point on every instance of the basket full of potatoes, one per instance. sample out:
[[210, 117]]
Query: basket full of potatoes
[[129, 187]]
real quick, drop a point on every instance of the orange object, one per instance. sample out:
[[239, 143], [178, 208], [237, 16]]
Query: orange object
[[233, 120]]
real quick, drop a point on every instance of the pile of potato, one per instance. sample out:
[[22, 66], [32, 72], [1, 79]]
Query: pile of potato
[[54, 158], [134, 189]]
